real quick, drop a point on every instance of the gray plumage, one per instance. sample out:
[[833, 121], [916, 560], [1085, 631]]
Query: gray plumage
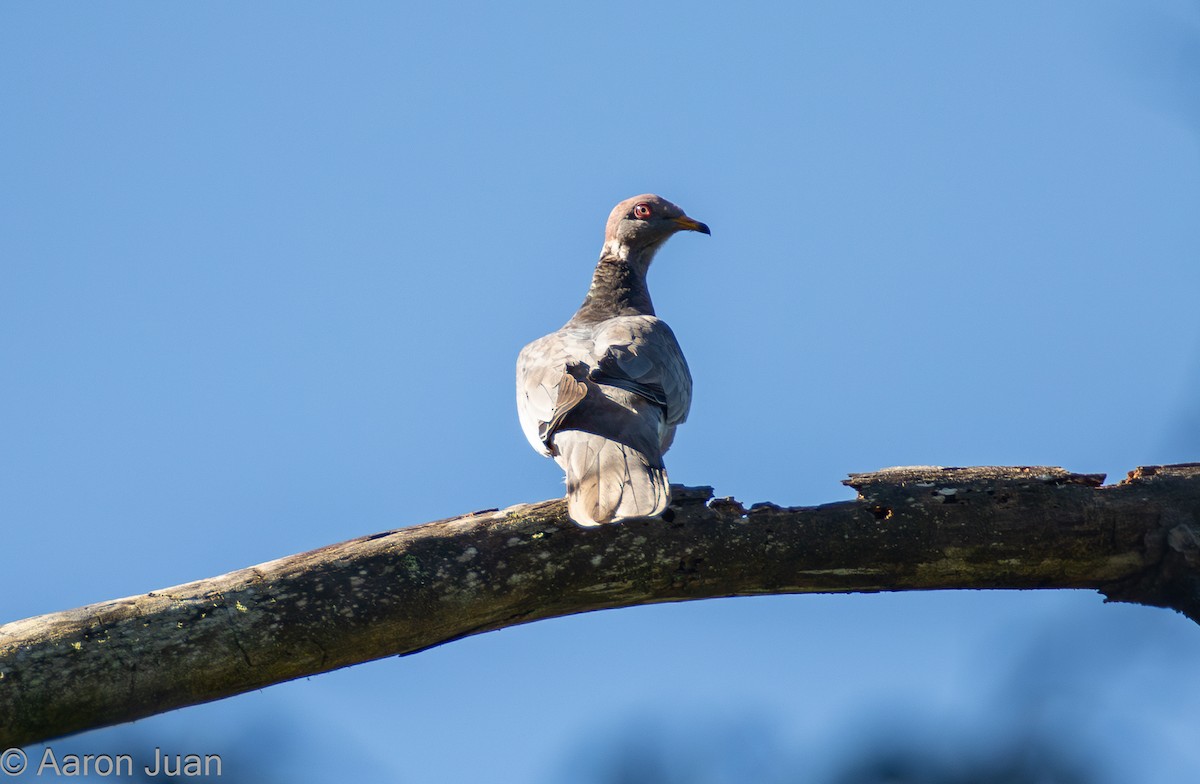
[[604, 394]]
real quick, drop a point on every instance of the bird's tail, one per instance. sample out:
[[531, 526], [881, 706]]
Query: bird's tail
[[608, 481]]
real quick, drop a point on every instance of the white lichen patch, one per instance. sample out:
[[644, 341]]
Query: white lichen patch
[[948, 491], [596, 559], [513, 541], [464, 590], [467, 555]]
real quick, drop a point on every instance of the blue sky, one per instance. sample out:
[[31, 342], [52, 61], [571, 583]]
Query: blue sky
[[266, 269]]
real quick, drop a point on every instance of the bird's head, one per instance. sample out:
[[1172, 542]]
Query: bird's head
[[643, 223]]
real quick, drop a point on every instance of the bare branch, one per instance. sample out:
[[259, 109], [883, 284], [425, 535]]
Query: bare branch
[[410, 589]]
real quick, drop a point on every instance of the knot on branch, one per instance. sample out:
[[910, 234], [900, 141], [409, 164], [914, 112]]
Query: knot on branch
[[1185, 540]]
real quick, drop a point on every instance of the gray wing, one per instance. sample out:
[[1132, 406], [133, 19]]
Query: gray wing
[[545, 390], [635, 353], [640, 354]]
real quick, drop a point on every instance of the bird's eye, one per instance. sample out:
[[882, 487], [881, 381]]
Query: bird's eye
[[641, 211]]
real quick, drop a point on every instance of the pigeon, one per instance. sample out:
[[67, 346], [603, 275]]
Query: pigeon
[[604, 394]]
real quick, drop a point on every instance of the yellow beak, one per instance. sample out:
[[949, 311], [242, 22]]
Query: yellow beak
[[684, 222]]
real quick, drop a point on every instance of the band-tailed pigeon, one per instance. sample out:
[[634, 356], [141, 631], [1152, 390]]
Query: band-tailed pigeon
[[603, 395]]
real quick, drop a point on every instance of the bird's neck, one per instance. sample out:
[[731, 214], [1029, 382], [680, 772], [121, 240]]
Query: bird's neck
[[618, 287]]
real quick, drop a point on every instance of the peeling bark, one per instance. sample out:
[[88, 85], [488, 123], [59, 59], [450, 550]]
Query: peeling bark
[[402, 591]]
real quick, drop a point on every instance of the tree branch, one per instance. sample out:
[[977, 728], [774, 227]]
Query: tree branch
[[413, 588]]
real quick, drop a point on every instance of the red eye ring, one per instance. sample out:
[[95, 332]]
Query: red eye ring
[[641, 211]]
